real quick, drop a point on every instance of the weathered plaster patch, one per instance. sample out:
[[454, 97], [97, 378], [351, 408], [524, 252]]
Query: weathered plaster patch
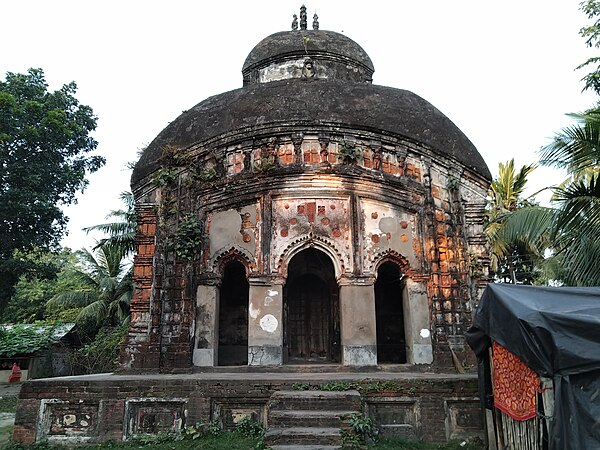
[[269, 323], [268, 300], [272, 293], [254, 312]]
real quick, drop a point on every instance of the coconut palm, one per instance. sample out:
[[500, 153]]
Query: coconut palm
[[577, 222], [121, 232], [512, 256], [572, 225], [107, 287]]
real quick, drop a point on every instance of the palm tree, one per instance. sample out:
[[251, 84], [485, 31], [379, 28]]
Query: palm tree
[[576, 225], [107, 287], [512, 255], [121, 233], [571, 226]]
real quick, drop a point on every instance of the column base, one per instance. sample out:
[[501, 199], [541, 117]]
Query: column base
[[359, 355], [265, 355]]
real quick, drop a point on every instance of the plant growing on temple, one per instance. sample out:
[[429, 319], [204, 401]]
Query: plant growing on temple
[[349, 153], [188, 238], [45, 147]]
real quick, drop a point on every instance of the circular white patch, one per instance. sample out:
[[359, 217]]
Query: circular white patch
[[425, 333], [269, 323]]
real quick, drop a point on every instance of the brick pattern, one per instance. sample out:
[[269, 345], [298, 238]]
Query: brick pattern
[[160, 401], [141, 348]]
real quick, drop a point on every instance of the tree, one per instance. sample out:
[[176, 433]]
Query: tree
[[107, 288], [45, 147], [513, 257], [576, 225], [591, 33], [32, 292], [121, 233]]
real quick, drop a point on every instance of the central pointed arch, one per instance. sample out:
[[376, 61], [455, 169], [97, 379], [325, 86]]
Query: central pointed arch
[[311, 309]]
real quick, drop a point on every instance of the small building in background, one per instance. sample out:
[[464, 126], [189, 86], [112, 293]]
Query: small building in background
[[40, 350]]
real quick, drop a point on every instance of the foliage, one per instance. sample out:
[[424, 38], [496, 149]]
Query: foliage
[[591, 34], [26, 339], [349, 153], [106, 288], [121, 233], [515, 259], [249, 427], [359, 433], [34, 289], [188, 238], [44, 145], [100, 355], [8, 404], [264, 164]]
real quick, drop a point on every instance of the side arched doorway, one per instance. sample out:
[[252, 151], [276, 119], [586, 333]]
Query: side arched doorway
[[233, 316], [389, 314], [311, 310]]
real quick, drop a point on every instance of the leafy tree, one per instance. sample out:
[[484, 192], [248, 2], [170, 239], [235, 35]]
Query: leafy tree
[[121, 232], [32, 292], [591, 33], [44, 159], [107, 288]]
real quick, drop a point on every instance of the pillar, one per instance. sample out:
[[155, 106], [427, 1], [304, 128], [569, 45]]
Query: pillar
[[357, 324], [265, 323], [207, 326]]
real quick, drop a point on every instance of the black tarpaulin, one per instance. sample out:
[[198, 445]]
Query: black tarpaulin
[[555, 332]]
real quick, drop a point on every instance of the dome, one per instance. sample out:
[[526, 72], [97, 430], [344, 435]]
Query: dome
[[334, 56], [294, 103]]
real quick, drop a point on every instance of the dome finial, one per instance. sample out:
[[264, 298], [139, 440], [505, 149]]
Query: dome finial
[[295, 23], [303, 21], [315, 22]]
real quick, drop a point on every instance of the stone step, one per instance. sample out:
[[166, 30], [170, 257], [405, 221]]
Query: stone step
[[303, 436], [308, 418], [315, 400]]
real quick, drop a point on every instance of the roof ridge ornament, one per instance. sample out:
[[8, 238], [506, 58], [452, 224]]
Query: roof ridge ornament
[[303, 21], [315, 22], [295, 23]]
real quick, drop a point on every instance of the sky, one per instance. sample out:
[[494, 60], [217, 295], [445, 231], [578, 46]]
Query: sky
[[503, 72]]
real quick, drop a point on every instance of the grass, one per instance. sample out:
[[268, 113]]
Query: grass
[[398, 444], [233, 441], [8, 404]]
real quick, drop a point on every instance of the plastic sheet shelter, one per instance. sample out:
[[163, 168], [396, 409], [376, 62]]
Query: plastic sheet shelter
[[556, 333]]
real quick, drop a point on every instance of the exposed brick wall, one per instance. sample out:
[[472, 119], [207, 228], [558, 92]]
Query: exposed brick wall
[[204, 399], [141, 349]]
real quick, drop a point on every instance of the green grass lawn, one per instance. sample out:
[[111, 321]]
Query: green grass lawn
[[233, 441]]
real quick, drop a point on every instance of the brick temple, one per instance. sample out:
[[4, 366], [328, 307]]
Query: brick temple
[[310, 222]]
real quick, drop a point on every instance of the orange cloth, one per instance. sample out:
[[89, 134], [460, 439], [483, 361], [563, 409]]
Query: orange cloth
[[15, 374], [515, 385]]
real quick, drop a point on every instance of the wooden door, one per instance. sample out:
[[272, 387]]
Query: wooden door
[[308, 308]]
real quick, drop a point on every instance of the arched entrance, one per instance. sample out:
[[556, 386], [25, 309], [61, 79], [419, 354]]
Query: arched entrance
[[311, 309], [389, 313], [233, 316]]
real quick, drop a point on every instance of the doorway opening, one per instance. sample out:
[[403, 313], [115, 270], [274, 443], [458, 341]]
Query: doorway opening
[[233, 316], [389, 314], [311, 310]]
